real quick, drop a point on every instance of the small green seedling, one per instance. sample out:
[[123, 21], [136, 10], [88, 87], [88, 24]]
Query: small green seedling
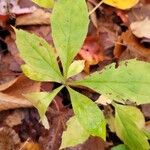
[[130, 81]]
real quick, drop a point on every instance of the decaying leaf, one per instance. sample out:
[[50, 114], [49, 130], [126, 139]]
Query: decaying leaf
[[146, 110], [91, 52], [139, 13], [141, 29], [9, 139], [93, 143], [8, 84], [134, 48], [15, 118], [11, 97], [33, 19], [58, 119], [12, 7]]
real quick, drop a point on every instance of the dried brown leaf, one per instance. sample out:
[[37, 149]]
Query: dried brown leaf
[[57, 115], [15, 118], [134, 48], [9, 139], [7, 84], [12, 97], [93, 143], [139, 13], [30, 146], [33, 19], [91, 52]]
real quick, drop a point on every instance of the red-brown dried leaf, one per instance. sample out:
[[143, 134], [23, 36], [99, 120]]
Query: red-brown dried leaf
[[134, 48], [91, 52], [57, 115], [93, 143], [9, 139]]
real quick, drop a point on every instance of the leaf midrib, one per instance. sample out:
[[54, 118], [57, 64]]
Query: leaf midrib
[[51, 67]]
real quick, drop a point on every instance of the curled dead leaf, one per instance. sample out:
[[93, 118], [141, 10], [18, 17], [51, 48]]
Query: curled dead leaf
[[11, 97], [134, 48], [7, 84]]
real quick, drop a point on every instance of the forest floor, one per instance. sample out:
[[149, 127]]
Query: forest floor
[[110, 39]]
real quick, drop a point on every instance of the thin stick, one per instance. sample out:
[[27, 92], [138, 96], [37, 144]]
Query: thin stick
[[97, 6], [24, 144]]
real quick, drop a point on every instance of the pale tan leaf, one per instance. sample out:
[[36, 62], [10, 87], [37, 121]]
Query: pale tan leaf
[[141, 28], [38, 17]]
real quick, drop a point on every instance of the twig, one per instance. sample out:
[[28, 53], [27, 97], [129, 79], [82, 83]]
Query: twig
[[97, 6], [24, 144]]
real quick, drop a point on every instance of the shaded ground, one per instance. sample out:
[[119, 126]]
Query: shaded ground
[[109, 39]]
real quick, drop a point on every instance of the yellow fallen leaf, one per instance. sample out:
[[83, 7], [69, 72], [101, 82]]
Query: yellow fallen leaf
[[121, 4], [30, 146]]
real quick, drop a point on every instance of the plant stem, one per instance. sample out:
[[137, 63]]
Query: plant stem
[[100, 3]]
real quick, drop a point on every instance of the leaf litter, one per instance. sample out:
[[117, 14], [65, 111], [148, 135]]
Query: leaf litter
[[111, 40]]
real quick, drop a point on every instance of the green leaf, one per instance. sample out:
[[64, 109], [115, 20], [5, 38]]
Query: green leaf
[[120, 147], [76, 67], [147, 133], [44, 3], [74, 135], [39, 56], [130, 81], [133, 114], [127, 127], [69, 23], [41, 100], [37, 75], [88, 114]]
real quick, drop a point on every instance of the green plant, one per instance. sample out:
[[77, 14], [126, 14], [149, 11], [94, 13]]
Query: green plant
[[69, 23]]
